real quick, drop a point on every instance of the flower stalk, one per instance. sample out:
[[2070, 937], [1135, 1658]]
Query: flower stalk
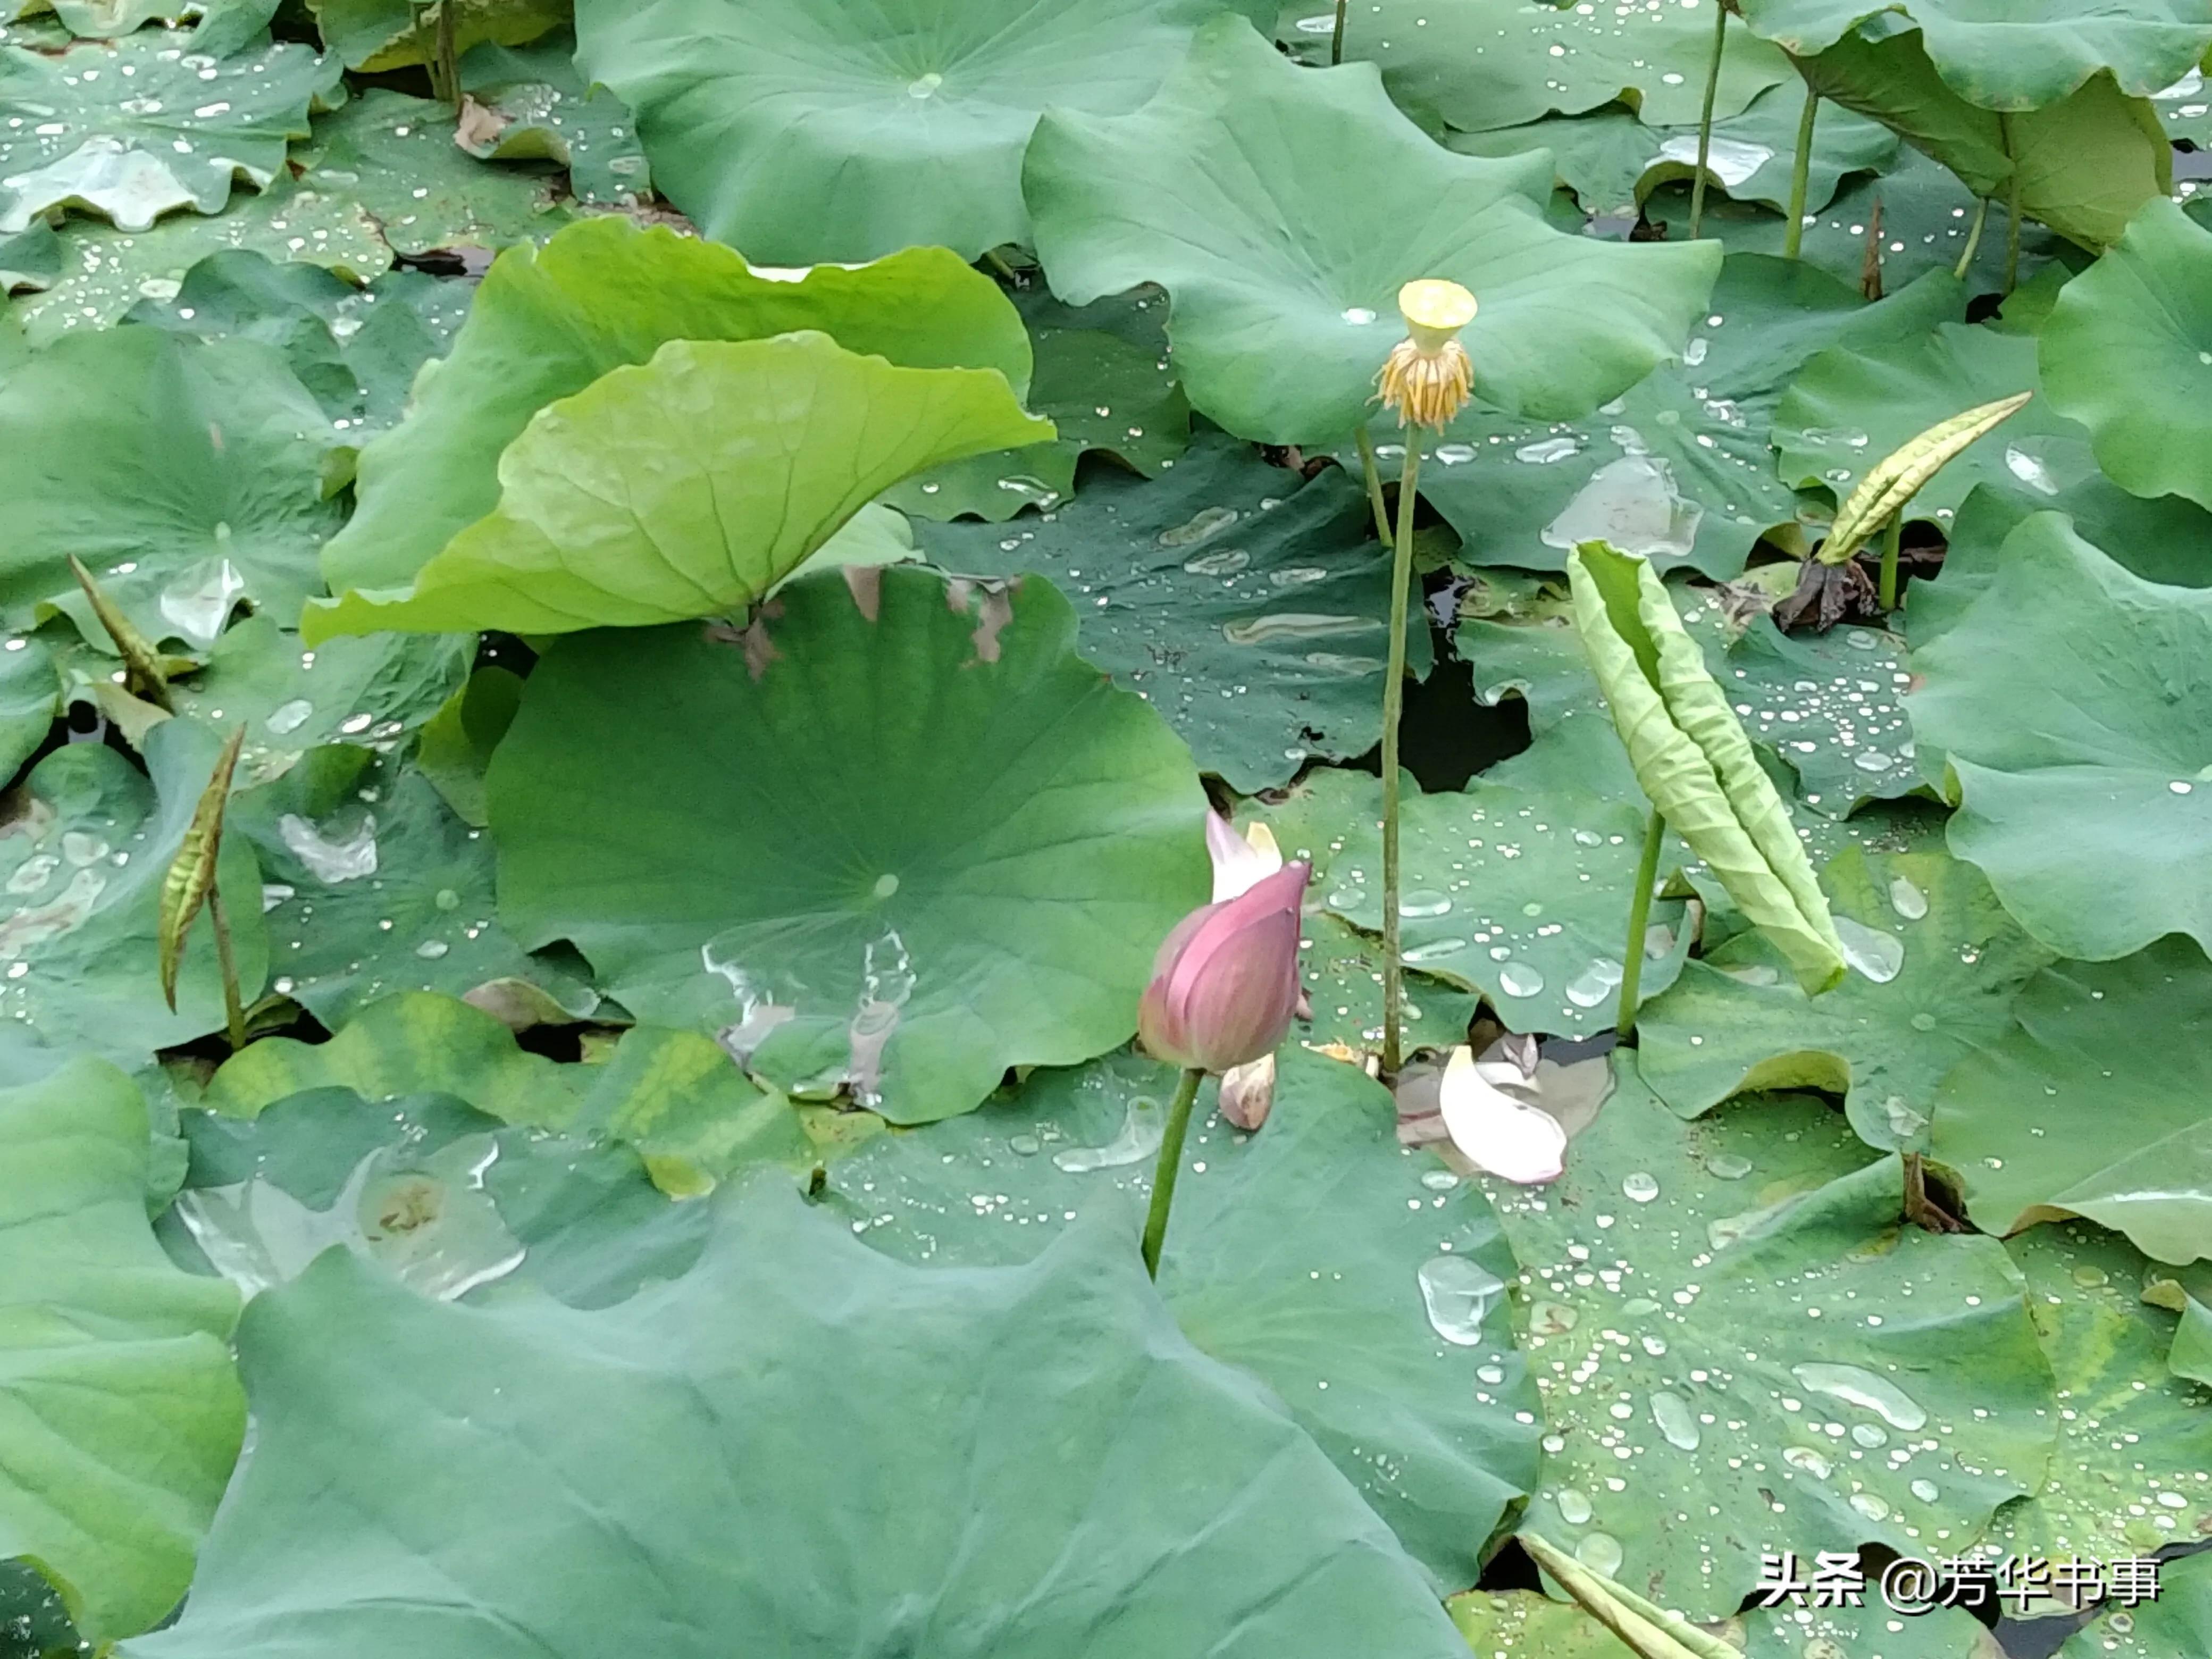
[[1800, 176], [1171, 1161], [1427, 380]]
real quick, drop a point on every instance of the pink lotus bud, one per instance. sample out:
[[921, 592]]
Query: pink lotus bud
[[1225, 981]]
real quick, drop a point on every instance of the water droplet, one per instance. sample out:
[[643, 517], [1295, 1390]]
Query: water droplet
[[925, 85], [1594, 983], [1295, 625], [1027, 1145], [1358, 316], [1867, 1504], [1226, 563], [1574, 1506], [447, 900], [1727, 1166], [1876, 954], [1207, 524], [1546, 450], [1634, 504], [1601, 1553], [1907, 900], [1324, 24], [1551, 1319], [431, 949], [1923, 1021], [1812, 1462], [288, 717], [1519, 979], [1454, 454], [1676, 1420], [2030, 471], [1142, 1130], [199, 601], [332, 854], [1641, 1187], [1440, 1181], [1459, 1294], [1869, 1436], [1492, 1375], [1863, 1389], [886, 885], [1422, 901], [1434, 950], [1925, 1490]]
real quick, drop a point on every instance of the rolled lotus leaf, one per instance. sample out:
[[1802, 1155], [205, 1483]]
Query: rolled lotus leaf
[[1888, 490], [1693, 761]]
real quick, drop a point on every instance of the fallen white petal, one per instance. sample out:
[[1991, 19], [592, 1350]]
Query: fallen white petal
[[1495, 1132]]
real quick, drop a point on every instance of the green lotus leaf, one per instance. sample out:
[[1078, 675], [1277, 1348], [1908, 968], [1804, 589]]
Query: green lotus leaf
[[396, 156], [689, 486], [100, 273], [1851, 409], [153, 127], [123, 1414], [2190, 1355], [2086, 162], [2135, 1441], [1223, 571], [1485, 63], [449, 1200], [193, 470], [2066, 702], [357, 350], [2089, 1104], [1205, 1519], [1014, 834], [30, 258], [2128, 353], [802, 132], [532, 105], [1104, 392], [1693, 761], [376, 35], [458, 741], [1678, 469], [1285, 298], [2178, 1621], [1423, 1380], [1731, 1025], [83, 863], [30, 697], [1613, 161], [2021, 56], [1503, 1621], [371, 885], [1521, 894], [601, 295], [1766, 1361]]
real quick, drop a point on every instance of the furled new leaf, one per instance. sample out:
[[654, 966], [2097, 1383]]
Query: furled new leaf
[[143, 675], [189, 881], [1693, 758], [1889, 487], [689, 486]]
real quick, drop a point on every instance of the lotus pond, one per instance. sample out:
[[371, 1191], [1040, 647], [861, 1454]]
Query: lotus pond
[[1110, 828]]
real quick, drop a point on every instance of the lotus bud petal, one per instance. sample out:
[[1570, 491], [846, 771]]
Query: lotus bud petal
[[1239, 861], [1495, 1132], [1247, 1093], [1225, 981]]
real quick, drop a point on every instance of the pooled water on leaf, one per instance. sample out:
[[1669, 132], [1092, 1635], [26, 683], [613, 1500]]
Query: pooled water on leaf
[[1907, 900], [1594, 983], [288, 717], [1459, 1294], [1634, 504], [1141, 1132], [1601, 1553], [1729, 159], [1855, 1386], [198, 603], [1877, 955], [342, 848], [1519, 979], [1676, 1420], [1574, 1506]]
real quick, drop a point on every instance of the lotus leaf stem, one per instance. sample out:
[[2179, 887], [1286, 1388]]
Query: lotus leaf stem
[[1394, 704], [1639, 918], [233, 1009], [1705, 119], [1374, 487], [2012, 208], [1973, 240], [1892, 539], [1163, 1174], [1800, 177], [1336, 36]]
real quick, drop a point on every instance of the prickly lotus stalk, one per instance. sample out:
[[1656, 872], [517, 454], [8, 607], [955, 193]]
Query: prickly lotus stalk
[[1428, 378]]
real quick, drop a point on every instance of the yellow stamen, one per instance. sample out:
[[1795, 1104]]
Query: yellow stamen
[[1428, 378]]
